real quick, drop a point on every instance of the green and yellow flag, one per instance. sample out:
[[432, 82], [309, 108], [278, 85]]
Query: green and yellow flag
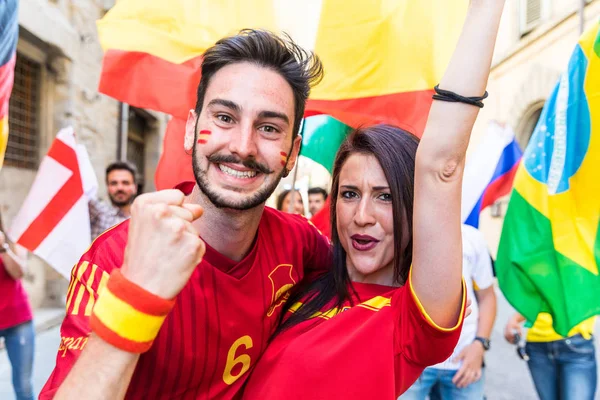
[[550, 246]]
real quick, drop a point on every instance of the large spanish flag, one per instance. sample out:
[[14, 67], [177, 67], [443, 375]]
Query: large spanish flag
[[550, 246], [9, 34], [381, 57]]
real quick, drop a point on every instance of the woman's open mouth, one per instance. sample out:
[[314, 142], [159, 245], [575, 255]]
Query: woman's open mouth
[[363, 242]]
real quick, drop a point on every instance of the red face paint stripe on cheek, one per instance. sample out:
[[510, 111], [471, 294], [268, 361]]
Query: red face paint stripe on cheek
[[203, 136], [283, 158]]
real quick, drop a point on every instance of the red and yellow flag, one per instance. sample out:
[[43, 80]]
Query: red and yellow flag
[[381, 57]]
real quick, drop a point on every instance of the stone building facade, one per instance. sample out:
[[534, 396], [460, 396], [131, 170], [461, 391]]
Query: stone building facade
[[59, 60], [534, 45]]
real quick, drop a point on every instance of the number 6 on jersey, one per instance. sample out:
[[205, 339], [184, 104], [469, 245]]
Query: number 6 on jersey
[[232, 360]]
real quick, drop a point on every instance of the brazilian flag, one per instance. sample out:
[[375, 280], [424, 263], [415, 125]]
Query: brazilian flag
[[550, 245]]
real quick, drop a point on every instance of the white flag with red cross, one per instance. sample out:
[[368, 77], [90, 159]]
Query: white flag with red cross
[[54, 221]]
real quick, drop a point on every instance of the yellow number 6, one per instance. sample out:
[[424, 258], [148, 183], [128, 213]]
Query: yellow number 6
[[232, 361]]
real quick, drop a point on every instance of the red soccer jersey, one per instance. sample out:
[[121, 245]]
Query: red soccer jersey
[[222, 318], [373, 350]]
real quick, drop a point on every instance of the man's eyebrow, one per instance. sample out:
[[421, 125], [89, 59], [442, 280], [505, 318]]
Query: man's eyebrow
[[274, 114], [225, 103]]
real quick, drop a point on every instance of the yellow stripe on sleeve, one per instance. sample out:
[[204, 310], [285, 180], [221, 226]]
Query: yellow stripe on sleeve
[[71, 286], [126, 321], [82, 269], [427, 317], [103, 280], [88, 286]]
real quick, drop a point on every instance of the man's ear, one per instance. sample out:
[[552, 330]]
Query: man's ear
[[190, 131]]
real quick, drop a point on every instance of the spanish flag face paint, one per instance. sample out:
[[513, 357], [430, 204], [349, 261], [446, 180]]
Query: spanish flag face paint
[[203, 136], [283, 158]]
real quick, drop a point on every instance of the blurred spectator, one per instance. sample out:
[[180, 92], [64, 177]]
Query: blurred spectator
[[122, 188], [284, 199], [316, 199], [462, 375], [16, 326], [561, 367]]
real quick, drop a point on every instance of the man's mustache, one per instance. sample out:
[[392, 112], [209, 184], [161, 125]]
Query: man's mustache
[[248, 163]]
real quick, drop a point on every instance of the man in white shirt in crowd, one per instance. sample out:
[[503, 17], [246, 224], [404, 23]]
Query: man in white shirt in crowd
[[462, 375]]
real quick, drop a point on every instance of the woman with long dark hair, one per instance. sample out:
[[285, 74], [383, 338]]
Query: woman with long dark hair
[[285, 198], [16, 326], [394, 301]]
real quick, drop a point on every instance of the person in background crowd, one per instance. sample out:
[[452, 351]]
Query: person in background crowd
[[316, 199], [16, 326], [462, 375], [284, 199], [562, 368], [122, 188]]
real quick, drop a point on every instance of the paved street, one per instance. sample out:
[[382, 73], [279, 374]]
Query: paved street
[[507, 376]]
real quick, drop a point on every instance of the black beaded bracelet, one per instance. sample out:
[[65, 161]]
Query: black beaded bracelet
[[446, 95]]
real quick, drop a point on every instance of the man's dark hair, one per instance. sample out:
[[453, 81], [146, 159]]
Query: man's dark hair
[[300, 68], [395, 149], [122, 165], [318, 190]]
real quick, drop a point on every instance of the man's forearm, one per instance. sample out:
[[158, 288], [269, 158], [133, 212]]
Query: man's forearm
[[486, 300], [101, 372]]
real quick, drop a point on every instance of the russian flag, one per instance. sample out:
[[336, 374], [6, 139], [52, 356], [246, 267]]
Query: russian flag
[[489, 172]]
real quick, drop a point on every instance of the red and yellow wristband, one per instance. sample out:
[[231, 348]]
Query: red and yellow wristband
[[128, 316]]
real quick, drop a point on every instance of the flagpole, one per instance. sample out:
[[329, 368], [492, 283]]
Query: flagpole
[[581, 16], [293, 192]]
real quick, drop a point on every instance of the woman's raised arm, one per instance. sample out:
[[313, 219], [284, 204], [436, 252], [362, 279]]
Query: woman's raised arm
[[437, 245]]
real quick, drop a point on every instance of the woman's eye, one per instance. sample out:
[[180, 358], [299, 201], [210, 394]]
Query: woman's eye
[[349, 194], [224, 118], [385, 197]]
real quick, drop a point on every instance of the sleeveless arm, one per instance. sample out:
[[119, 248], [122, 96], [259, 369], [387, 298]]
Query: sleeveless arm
[[439, 165]]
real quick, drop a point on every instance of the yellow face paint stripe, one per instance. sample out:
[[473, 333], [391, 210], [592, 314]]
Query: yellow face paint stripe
[[128, 322]]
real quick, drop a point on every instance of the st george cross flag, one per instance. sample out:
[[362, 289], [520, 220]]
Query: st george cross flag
[[54, 222]]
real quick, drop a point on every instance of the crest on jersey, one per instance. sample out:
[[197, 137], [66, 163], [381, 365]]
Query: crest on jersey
[[281, 281]]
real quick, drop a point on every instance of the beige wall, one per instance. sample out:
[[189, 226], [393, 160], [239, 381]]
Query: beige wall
[[62, 36], [525, 71]]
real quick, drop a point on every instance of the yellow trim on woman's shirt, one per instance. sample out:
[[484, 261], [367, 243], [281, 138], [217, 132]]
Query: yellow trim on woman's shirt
[[427, 317]]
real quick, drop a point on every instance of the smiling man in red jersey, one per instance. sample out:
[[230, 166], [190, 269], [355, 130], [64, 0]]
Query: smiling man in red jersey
[[155, 311]]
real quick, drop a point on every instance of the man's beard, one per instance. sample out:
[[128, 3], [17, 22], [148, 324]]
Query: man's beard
[[121, 204], [221, 201]]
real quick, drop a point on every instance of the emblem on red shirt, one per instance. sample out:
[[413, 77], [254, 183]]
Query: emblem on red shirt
[[281, 281]]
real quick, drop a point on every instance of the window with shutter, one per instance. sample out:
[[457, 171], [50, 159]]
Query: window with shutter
[[532, 12], [22, 150]]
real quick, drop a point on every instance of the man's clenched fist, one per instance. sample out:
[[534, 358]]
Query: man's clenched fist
[[163, 248]]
